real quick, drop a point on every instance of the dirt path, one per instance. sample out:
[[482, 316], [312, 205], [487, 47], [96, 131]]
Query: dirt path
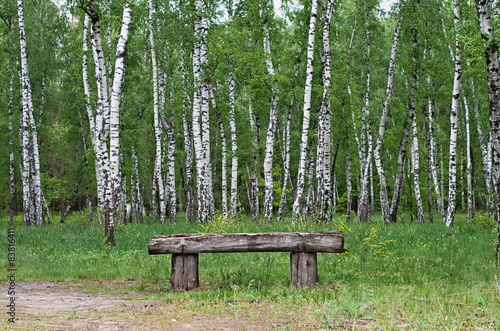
[[82, 306]]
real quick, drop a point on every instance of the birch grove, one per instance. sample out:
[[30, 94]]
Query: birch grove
[[196, 109]]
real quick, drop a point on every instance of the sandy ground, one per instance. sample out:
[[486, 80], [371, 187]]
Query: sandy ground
[[83, 306]]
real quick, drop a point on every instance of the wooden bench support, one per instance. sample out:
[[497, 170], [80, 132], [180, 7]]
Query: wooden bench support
[[184, 272], [304, 269]]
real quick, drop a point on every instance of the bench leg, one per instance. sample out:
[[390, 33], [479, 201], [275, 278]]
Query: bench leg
[[184, 275], [304, 269]]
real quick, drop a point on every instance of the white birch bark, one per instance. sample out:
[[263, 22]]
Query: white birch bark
[[169, 189], [158, 186], [232, 127], [468, 166], [286, 162], [114, 125], [223, 169], [254, 186], [101, 117], [90, 112], [188, 146], [188, 141], [384, 200], [172, 194], [32, 204], [201, 131], [324, 194], [492, 69], [273, 118], [365, 141], [452, 184], [415, 156], [12, 172], [306, 115], [234, 145]]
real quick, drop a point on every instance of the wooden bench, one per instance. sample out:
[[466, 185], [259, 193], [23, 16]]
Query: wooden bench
[[302, 246]]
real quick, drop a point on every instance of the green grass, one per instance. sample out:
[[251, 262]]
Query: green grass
[[406, 275]]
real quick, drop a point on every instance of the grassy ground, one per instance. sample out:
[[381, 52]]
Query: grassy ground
[[407, 275]]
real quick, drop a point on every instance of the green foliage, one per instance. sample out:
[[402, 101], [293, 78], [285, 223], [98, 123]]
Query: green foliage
[[220, 224], [485, 220]]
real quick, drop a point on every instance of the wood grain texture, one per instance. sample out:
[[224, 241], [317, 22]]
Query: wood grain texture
[[322, 241], [184, 276], [304, 269]]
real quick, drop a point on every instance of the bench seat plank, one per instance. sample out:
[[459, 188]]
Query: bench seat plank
[[320, 241]]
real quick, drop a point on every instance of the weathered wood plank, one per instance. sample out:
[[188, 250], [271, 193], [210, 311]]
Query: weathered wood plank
[[184, 276], [304, 269], [321, 241]]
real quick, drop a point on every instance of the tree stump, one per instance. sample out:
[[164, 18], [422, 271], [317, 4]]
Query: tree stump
[[304, 269], [184, 275]]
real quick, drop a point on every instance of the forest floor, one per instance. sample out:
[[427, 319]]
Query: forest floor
[[112, 305]]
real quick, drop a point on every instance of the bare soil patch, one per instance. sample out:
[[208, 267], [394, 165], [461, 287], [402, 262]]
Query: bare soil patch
[[111, 305]]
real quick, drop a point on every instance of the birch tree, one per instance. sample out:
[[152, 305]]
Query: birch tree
[[273, 119], [492, 70], [452, 172], [32, 194], [159, 203], [365, 140], [105, 121], [306, 114], [384, 200], [323, 174], [415, 157], [201, 131]]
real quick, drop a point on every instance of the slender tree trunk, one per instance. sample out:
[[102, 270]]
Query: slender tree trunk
[[32, 203], [254, 186], [159, 212], [271, 131], [232, 128], [468, 167], [102, 116], [324, 191], [492, 69], [452, 186], [201, 131], [286, 162], [415, 157], [365, 143], [188, 142], [306, 115], [234, 145], [114, 127], [399, 181], [90, 113], [12, 172], [188, 145], [384, 200]]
